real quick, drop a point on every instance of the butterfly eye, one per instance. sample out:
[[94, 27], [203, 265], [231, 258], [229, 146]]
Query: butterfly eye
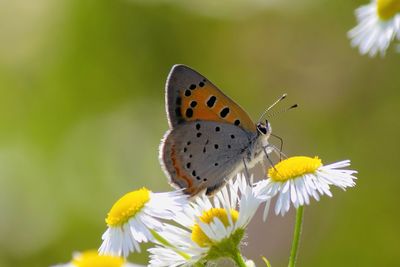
[[262, 128]]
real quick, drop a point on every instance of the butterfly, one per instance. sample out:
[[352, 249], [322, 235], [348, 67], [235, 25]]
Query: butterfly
[[210, 137]]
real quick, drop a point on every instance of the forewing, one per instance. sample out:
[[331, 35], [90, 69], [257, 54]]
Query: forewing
[[190, 96], [203, 155]]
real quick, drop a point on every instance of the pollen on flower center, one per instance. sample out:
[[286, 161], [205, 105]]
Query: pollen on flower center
[[127, 207], [294, 167], [207, 217], [386, 9], [91, 258]]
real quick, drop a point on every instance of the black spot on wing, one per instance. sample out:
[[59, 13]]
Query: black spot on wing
[[189, 113], [224, 112], [178, 112], [211, 101], [193, 104]]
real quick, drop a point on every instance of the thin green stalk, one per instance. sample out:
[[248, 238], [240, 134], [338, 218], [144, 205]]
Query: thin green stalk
[[267, 263], [296, 236], [238, 259]]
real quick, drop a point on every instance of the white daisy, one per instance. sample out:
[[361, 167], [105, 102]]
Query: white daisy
[[132, 216], [378, 25], [208, 228], [90, 258], [296, 179]]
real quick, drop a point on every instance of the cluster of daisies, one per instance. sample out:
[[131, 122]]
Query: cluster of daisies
[[195, 232], [378, 25]]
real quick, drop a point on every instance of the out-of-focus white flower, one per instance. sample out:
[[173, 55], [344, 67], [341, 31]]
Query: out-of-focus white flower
[[90, 258], [250, 263], [378, 25]]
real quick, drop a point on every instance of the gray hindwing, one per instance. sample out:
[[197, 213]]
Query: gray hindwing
[[208, 152]]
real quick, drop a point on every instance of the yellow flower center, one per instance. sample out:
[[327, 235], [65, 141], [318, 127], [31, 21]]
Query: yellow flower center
[[127, 206], [207, 217], [92, 259], [387, 8], [293, 167]]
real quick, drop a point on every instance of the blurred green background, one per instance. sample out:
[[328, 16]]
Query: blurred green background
[[82, 114]]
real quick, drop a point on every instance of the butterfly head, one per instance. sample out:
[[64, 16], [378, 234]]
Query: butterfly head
[[263, 133], [264, 128]]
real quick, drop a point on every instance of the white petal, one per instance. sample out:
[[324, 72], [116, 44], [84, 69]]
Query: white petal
[[266, 209]]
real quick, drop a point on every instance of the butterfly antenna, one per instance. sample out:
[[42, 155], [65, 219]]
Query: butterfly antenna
[[281, 111], [271, 106]]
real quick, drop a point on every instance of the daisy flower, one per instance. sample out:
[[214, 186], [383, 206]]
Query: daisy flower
[[131, 217], [208, 228], [90, 258], [378, 25], [296, 179]]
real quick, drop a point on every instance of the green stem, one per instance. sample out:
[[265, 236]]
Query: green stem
[[238, 259], [296, 236]]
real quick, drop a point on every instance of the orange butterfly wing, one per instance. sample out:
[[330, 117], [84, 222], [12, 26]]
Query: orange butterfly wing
[[190, 97]]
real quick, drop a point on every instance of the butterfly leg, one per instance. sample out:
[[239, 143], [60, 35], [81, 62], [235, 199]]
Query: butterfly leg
[[246, 170], [277, 151], [262, 162], [280, 146], [267, 156]]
